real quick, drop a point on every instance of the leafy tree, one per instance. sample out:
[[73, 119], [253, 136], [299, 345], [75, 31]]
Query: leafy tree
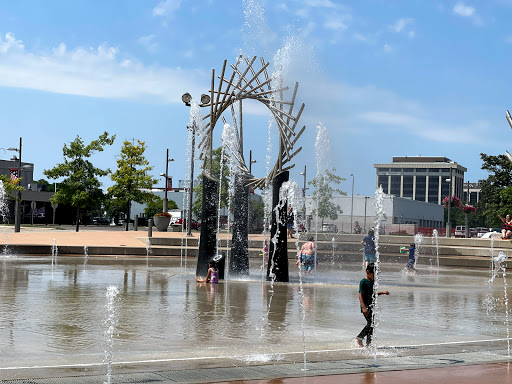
[[10, 185], [155, 206], [323, 194], [496, 190], [80, 187], [131, 178], [216, 167]]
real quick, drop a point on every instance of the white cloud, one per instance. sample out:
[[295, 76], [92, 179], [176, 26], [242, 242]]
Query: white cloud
[[401, 24], [335, 22], [148, 43], [424, 128], [508, 39], [467, 11], [10, 43], [387, 48], [95, 72], [404, 25], [166, 8], [320, 3], [463, 10]]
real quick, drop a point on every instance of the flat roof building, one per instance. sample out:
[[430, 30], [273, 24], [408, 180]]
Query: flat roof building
[[422, 178]]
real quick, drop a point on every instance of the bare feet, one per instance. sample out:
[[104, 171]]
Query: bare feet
[[359, 342]]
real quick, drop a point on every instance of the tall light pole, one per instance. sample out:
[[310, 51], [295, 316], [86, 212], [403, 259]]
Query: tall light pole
[[17, 204], [187, 99], [166, 201], [352, 206], [304, 196], [365, 201], [448, 223]]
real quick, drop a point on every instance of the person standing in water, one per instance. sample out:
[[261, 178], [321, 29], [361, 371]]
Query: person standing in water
[[366, 302], [369, 248]]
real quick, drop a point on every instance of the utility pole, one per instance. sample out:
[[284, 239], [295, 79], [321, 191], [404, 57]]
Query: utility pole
[[191, 187]]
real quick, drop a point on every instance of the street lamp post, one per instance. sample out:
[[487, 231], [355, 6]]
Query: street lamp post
[[448, 223], [304, 196], [352, 206], [365, 201], [166, 201], [187, 99], [192, 128], [17, 204]]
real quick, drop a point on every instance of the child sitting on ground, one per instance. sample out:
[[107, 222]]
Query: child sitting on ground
[[212, 276]]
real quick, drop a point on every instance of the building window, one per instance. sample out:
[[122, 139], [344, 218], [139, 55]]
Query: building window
[[445, 189], [421, 169], [421, 188], [433, 189], [408, 170], [395, 185], [433, 170], [383, 169], [408, 186], [383, 180]]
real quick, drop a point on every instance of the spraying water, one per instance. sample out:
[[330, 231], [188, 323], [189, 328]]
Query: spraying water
[[323, 163], [110, 324], [379, 219], [418, 241], [55, 252], [86, 254], [435, 249], [3, 215], [500, 266]]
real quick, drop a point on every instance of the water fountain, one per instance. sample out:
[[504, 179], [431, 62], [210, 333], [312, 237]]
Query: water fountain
[[435, 249], [499, 266], [110, 325]]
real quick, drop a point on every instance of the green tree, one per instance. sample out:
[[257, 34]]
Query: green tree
[[216, 167], [155, 206], [323, 194], [131, 178], [496, 190], [80, 187], [10, 185]]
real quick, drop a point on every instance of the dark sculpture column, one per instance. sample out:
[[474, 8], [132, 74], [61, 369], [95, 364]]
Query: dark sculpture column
[[208, 240], [278, 253], [239, 260]]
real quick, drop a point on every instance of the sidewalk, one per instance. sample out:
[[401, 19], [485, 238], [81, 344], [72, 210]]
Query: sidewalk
[[90, 236], [470, 374]]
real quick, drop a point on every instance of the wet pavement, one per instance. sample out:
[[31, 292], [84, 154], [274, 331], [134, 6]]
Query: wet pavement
[[171, 329]]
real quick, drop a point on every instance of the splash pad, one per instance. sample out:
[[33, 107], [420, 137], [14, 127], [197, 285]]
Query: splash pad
[[54, 321]]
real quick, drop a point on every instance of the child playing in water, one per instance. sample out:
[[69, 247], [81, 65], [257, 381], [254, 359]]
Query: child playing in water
[[366, 301], [410, 263], [212, 276], [369, 248], [307, 255]]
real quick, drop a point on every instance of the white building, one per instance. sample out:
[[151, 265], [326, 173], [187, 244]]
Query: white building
[[397, 211]]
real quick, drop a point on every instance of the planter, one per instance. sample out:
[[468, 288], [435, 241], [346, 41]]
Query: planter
[[161, 223]]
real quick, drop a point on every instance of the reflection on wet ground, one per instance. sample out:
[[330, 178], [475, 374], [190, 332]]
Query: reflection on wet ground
[[54, 316]]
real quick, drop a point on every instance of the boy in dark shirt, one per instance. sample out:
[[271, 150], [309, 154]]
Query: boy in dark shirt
[[412, 258], [366, 302]]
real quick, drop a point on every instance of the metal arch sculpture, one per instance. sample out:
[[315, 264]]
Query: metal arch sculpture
[[252, 84]]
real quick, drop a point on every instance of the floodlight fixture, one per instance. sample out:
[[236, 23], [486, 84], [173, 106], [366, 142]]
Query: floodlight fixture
[[205, 99], [509, 119], [186, 98]]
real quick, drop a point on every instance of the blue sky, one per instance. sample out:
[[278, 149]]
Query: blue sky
[[387, 78]]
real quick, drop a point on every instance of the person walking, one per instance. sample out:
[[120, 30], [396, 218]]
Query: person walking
[[366, 295], [369, 247]]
